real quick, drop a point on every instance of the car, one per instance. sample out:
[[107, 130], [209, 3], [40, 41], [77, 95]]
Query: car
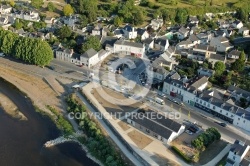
[[162, 95], [2, 55], [223, 124], [189, 132], [51, 67]]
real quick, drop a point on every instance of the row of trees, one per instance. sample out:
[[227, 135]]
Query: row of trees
[[33, 51], [206, 138], [96, 142]]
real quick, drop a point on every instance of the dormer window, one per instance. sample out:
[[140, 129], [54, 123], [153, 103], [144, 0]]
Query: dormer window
[[222, 105], [210, 100], [231, 109]]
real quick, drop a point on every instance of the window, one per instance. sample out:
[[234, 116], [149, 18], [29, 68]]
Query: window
[[220, 111], [244, 121], [227, 114], [238, 118], [214, 107], [147, 131]]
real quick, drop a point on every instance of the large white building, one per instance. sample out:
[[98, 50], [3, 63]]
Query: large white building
[[129, 48], [222, 44]]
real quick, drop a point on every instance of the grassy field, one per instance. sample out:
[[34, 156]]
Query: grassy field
[[186, 4]]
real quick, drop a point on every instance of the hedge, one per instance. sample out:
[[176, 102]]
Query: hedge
[[183, 156]]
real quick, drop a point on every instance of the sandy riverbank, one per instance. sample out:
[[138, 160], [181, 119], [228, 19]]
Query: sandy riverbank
[[10, 108]]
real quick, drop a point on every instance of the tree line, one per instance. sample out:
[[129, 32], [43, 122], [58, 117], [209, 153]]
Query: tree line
[[33, 51], [97, 143], [206, 138]]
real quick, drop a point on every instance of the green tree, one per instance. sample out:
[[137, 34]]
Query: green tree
[[12, 3], [219, 67], [18, 24], [238, 65], [68, 10], [117, 21], [92, 42], [181, 15], [64, 32], [138, 17], [242, 56], [37, 3], [51, 7]]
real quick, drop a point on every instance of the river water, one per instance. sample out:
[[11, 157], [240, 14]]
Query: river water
[[21, 142]]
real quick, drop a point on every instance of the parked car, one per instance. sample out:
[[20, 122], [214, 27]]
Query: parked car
[[162, 95], [189, 132], [223, 124], [2, 54]]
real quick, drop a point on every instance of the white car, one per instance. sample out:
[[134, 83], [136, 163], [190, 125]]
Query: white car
[[189, 132], [2, 55]]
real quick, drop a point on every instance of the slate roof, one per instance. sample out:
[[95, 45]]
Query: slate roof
[[108, 40], [196, 83], [234, 53], [128, 28], [218, 57], [193, 38], [238, 91], [141, 31], [238, 148], [90, 53], [118, 32], [163, 127], [183, 30], [76, 56], [133, 44], [161, 41], [148, 41]]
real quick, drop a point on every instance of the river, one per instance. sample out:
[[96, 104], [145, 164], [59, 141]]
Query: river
[[21, 142]]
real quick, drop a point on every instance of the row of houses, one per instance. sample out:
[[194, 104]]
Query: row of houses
[[193, 92], [90, 58]]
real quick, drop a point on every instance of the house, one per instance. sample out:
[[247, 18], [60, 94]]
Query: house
[[213, 58], [223, 24], [182, 33], [3, 20], [149, 44], [64, 54], [194, 39], [193, 20], [30, 15], [237, 24], [5, 9], [202, 52], [102, 54], [244, 31], [71, 20], [156, 23], [222, 44], [129, 48], [205, 38], [49, 20], [239, 154], [205, 72], [142, 33], [89, 58], [186, 44], [118, 33], [238, 93], [156, 125], [129, 32], [97, 30], [220, 33], [161, 44], [158, 68], [108, 42], [182, 88], [234, 54]]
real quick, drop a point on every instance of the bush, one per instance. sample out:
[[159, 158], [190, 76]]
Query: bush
[[180, 153]]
